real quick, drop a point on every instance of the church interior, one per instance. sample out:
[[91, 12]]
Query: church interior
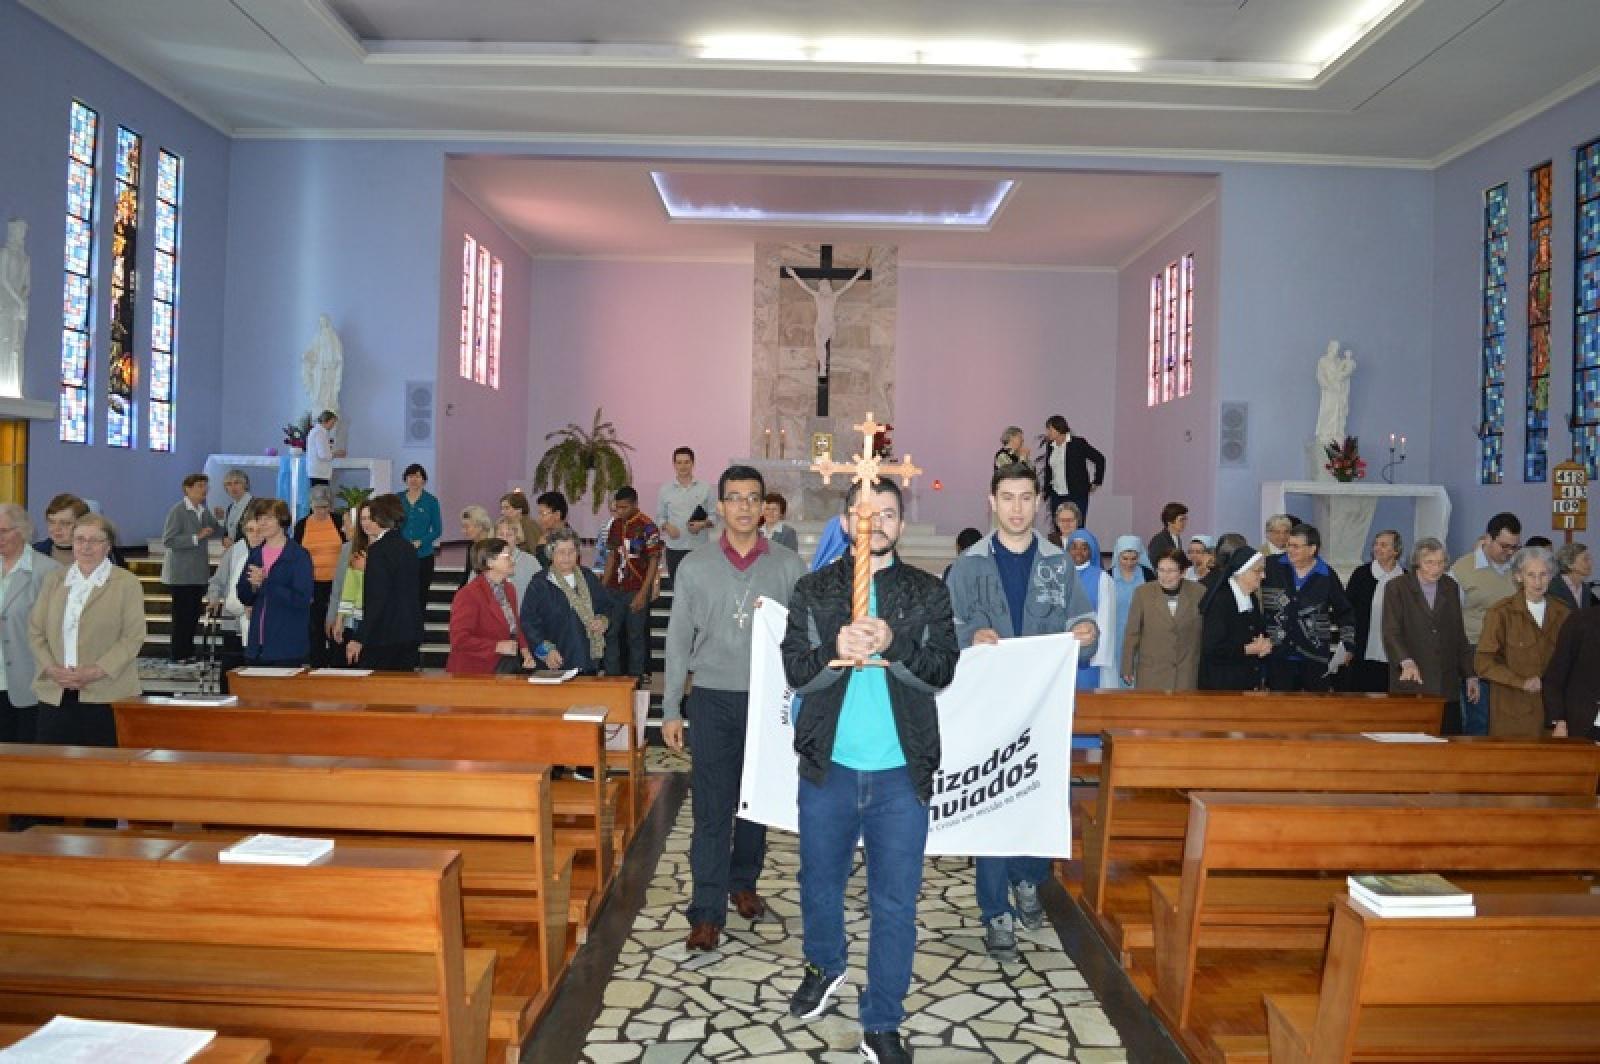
[[1150, 217]]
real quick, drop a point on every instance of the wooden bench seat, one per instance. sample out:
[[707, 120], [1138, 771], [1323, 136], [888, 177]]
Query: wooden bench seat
[[222, 1050], [1237, 835], [160, 931], [434, 687], [1139, 818], [1518, 982], [585, 811], [495, 814]]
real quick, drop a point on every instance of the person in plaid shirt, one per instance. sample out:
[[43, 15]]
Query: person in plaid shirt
[[633, 554]]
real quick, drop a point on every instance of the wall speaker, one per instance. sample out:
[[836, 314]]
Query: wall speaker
[[1233, 440], [418, 417]]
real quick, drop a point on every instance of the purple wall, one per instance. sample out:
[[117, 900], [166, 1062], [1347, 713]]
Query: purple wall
[[481, 430], [1168, 452], [43, 71], [1457, 320]]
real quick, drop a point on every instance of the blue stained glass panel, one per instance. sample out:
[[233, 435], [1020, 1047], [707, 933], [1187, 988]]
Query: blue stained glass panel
[[1489, 459], [1589, 284], [74, 356], [1589, 228], [167, 170], [79, 237], [74, 415], [75, 302], [80, 189], [1589, 171], [1588, 341], [160, 373], [160, 426], [160, 334], [85, 128], [127, 156], [166, 226], [163, 279], [119, 422], [1588, 398]]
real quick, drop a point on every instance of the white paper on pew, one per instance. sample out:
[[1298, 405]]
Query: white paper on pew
[[547, 678], [1401, 737], [272, 670], [587, 714], [340, 672], [193, 700], [66, 1040], [277, 850]]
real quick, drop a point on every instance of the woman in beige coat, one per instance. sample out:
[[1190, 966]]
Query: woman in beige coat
[[86, 631], [1161, 645], [1519, 636]]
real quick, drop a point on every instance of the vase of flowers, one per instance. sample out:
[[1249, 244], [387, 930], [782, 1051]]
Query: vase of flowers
[[883, 443], [295, 433], [1345, 463]]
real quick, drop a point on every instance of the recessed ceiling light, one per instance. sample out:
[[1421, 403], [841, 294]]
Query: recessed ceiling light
[[951, 204]]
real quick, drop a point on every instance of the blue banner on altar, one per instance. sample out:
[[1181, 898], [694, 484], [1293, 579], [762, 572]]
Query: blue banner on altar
[[294, 484]]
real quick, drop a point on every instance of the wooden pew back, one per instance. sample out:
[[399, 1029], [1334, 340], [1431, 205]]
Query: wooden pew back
[[1274, 712]]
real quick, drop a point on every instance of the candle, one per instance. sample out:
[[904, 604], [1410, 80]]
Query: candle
[[783, 443], [1391, 441], [1402, 446], [766, 446]]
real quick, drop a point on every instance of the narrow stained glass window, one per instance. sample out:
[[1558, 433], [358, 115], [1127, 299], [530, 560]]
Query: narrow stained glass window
[[495, 275], [122, 375], [1492, 424], [1153, 391], [1171, 332], [1586, 313], [469, 274], [480, 350], [83, 141], [164, 302], [481, 310], [1536, 436]]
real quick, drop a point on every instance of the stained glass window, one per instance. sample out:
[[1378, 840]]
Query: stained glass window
[[1536, 437], [1586, 317], [121, 369], [1492, 426], [481, 310], [83, 141], [1171, 332], [164, 301]]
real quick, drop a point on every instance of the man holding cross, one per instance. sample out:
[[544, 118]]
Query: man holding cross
[[715, 591]]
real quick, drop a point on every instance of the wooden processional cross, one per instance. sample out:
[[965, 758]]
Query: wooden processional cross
[[866, 469], [827, 271]]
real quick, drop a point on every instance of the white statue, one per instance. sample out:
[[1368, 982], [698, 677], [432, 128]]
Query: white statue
[[322, 369], [1333, 376], [826, 299], [15, 282]]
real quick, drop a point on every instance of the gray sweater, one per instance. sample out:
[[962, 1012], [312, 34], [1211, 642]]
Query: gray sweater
[[705, 635]]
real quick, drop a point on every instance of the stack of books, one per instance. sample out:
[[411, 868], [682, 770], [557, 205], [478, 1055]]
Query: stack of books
[[1421, 894]]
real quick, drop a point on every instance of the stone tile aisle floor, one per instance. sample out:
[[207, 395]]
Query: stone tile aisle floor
[[666, 1006]]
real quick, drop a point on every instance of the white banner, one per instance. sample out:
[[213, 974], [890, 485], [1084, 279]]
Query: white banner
[[1005, 727]]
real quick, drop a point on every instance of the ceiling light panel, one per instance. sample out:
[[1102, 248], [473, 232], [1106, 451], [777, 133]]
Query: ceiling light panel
[[754, 198]]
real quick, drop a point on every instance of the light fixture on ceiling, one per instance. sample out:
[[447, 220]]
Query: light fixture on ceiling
[[680, 207], [875, 51], [1364, 17]]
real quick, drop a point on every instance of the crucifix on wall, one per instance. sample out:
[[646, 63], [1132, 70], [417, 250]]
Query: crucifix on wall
[[826, 298]]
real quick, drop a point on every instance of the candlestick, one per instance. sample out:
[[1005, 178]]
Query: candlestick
[[766, 444], [783, 443]]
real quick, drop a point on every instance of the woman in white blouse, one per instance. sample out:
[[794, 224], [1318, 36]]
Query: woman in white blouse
[[86, 631]]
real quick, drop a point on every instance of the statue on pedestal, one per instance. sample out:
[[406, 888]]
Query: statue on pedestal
[[322, 369], [15, 283], [1333, 376]]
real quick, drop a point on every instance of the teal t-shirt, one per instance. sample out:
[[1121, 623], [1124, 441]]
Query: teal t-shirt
[[867, 740]]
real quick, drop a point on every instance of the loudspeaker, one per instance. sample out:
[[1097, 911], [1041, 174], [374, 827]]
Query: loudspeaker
[[418, 416], [1235, 434]]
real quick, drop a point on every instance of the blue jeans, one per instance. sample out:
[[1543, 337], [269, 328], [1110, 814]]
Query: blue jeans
[[882, 809], [725, 854], [997, 874], [1475, 715]]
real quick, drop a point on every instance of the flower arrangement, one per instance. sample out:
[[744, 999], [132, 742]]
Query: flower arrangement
[[295, 432], [882, 442], [1344, 460]]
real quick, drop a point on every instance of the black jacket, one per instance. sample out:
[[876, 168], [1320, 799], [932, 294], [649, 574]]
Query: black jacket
[[391, 609], [922, 662], [1361, 590], [547, 616], [1308, 622], [1224, 631], [1079, 456]]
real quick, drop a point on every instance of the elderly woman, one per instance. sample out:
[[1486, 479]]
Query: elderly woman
[[1366, 589], [1084, 550], [22, 573], [1174, 518], [1013, 448], [1424, 640], [85, 632], [1277, 534], [1233, 631], [222, 594], [276, 587], [476, 524], [1575, 565], [514, 505], [484, 635], [526, 566], [1129, 569], [1066, 520], [391, 608], [322, 535], [1201, 554], [566, 613], [1518, 640], [1161, 648]]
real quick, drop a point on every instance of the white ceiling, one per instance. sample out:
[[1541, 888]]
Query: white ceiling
[[1051, 219], [1217, 78]]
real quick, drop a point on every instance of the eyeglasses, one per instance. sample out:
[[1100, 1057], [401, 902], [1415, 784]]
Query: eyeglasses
[[89, 541], [752, 499]]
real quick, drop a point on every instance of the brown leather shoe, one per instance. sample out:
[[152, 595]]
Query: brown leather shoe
[[703, 937], [749, 904]]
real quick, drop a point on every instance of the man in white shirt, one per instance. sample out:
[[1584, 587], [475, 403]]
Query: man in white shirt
[[683, 510], [320, 451]]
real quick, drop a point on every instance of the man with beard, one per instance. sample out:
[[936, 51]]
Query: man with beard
[[868, 745]]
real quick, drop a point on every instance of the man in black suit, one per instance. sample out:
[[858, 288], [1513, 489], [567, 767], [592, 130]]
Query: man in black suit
[[1064, 466], [390, 635]]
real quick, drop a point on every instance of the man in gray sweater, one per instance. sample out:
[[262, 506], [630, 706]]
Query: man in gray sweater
[[713, 603]]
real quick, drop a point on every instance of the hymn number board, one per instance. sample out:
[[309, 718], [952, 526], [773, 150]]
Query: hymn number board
[[1569, 505]]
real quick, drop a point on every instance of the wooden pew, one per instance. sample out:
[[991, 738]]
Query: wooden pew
[[1250, 835], [160, 931], [222, 1050], [1136, 817], [434, 687], [1519, 981], [584, 810], [1274, 712], [496, 814]]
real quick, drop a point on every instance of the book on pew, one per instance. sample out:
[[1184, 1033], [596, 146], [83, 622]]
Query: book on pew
[[272, 671], [1402, 737], [68, 1040], [276, 850], [587, 714], [552, 676], [1418, 894], [341, 672], [193, 698]]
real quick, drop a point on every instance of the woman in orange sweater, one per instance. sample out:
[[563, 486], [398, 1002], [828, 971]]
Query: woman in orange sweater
[[322, 536]]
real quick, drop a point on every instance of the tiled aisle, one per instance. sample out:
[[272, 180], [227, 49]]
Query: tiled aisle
[[664, 1006]]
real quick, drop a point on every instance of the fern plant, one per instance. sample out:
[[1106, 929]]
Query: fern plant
[[582, 461]]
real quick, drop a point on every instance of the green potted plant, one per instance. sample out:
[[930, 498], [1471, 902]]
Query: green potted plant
[[353, 497], [581, 461]]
